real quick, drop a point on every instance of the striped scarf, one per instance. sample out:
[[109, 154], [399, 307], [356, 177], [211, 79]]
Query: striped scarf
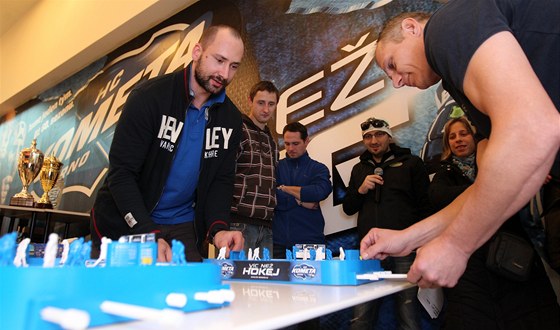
[[467, 165]]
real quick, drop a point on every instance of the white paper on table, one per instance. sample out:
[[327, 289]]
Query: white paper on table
[[432, 300]]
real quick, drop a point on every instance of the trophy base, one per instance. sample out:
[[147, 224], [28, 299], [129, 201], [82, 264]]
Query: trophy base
[[22, 201], [44, 206]]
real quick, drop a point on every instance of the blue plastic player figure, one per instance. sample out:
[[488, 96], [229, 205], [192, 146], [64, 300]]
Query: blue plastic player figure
[[242, 255], [329, 254], [8, 249], [74, 253], [178, 251], [266, 254], [85, 253], [312, 254], [294, 252], [288, 254], [233, 255]]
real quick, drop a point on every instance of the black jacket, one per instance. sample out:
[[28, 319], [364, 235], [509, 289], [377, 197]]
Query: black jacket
[[403, 196], [143, 148], [448, 183]]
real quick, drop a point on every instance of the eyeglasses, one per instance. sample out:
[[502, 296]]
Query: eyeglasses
[[376, 123]]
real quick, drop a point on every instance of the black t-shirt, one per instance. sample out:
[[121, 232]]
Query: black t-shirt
[[455, 32]]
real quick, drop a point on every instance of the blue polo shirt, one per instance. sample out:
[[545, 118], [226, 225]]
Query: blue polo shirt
[[177, 202]]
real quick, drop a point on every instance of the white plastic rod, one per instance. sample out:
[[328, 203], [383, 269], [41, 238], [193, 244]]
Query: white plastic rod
[[69, 319], [215, 296], [178, 300], [375, 276], [167, 316]]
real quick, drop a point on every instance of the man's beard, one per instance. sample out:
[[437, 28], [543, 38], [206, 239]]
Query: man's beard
[[205, 81]]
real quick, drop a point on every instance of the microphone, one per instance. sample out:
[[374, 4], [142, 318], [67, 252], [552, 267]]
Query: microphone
[[378, 171]]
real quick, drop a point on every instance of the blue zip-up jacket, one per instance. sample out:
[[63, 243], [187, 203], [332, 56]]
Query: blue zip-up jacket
[[295, 224]]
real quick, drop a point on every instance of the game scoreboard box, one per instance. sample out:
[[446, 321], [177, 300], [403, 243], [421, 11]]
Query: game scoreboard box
[[320, 272]]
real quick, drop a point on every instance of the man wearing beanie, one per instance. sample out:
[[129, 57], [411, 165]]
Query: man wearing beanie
[[389, 189]]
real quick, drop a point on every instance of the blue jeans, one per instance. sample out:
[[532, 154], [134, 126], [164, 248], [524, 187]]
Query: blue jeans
[[255, 236]]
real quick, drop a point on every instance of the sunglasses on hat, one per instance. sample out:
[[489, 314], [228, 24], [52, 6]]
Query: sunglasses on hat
[[376, 123]]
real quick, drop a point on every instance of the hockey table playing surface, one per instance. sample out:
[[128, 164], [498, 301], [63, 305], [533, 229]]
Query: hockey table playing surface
[[271, 305]]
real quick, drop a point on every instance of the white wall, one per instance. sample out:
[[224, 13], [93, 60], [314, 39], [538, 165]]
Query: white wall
[[57, 38]]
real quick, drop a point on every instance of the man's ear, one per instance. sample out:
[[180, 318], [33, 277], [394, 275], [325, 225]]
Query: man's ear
[[197, 52], [411, 26]]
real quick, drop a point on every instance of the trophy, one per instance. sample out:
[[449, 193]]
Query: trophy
[[49, 175], [29, 164]]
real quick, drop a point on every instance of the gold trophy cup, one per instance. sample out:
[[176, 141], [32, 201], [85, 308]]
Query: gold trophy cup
[[29, 164], [49, 175]]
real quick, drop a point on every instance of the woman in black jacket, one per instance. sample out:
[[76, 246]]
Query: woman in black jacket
[[458, 163], [482, 299]]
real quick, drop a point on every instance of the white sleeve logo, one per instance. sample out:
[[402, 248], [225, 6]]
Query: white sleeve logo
[[129, 218]]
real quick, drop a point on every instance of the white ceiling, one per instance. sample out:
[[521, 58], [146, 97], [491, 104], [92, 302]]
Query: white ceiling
[[11, 11]]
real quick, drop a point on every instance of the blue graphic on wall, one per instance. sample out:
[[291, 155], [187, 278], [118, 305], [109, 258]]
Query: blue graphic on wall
[[318, 53]]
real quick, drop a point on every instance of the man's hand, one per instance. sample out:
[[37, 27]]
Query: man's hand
[[308, 205], [232, 240], [294, 191], [369, 183], [381, 243], [440, 263], [164, 252]]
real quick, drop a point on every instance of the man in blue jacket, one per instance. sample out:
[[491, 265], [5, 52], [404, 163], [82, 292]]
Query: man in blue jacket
[[172, 160], [302, 184]]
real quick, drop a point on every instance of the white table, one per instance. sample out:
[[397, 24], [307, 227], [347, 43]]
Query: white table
[[265, 305]]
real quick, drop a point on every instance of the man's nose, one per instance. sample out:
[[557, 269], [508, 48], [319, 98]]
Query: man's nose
[[397, 80], [224, 71]]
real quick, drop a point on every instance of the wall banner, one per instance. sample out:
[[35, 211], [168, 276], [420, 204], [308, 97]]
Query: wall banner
[[318, 53]]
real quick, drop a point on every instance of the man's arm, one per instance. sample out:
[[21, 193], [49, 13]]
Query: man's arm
[[320, 187], [525, 138], [291, 190], [353, 200], [220, 194], [129, 149], [295, 191], [380, 243], [316, 190]]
